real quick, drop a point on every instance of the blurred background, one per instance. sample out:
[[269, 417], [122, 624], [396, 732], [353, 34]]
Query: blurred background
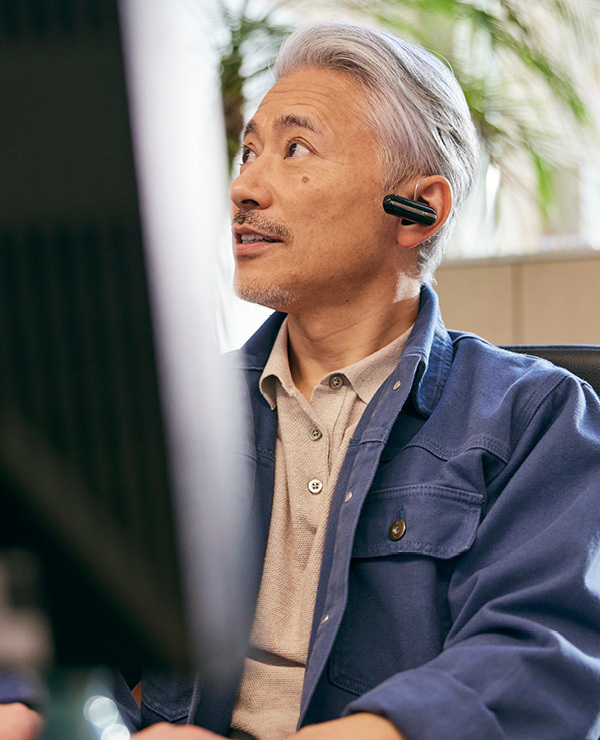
[[523, 266], [524, 263]]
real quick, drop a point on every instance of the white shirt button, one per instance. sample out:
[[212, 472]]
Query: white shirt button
[[315, 486], [335, 382]]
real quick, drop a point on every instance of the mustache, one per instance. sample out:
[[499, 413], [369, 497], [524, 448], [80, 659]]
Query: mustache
[[260, 223]]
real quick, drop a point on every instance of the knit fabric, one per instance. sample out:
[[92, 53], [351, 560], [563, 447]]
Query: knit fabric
[[312, 440]]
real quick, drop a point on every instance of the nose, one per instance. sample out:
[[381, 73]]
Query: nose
[[251, 189]]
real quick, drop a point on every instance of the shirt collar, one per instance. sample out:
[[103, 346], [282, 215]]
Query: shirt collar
[[364, 376], [368, 374], [428, 341], [277, 368]]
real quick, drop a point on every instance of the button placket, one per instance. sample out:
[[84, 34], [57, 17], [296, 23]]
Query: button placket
[[320, 471]]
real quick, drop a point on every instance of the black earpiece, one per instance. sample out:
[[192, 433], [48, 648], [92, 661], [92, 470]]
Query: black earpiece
[[410, 211]]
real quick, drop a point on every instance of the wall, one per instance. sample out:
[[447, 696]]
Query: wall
[[553, 299]]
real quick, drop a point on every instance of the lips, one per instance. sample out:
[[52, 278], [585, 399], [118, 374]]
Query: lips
[[251, 238], [249, 242], [245, 235]]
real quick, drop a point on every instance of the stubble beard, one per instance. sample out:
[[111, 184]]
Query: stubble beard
[[258, 290], [270, 296]]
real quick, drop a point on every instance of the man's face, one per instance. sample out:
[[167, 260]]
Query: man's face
[[309, 228]]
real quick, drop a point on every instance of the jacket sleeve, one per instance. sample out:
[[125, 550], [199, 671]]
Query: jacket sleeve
[[522, 658], [23, 687]]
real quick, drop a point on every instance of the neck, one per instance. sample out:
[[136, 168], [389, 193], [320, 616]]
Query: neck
[[322, 341]]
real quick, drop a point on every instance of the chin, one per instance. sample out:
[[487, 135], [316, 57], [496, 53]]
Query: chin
[[270, 296]]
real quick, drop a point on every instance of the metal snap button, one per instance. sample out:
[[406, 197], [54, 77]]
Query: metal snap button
[[397, 530], [315, 486]]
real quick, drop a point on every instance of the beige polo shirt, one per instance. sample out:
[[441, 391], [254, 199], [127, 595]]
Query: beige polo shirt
[[312, 440]]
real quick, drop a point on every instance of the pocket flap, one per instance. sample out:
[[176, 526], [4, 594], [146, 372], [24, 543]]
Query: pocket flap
[[167, 696], [421, 519]]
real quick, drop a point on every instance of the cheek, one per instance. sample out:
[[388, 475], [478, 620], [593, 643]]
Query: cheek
[[319, 206], [307, 200]]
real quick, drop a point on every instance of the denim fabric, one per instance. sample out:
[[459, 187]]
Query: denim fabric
[[483, 619], [21, 686]]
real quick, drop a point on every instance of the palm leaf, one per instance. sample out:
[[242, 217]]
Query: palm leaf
[[243, 32]]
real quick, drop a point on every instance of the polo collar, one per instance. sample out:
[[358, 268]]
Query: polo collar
[[428, 342]]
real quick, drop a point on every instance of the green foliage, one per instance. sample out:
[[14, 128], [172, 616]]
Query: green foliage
[[522, 64], [251, 45]]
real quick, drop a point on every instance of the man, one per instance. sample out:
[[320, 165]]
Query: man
[[428, 504]]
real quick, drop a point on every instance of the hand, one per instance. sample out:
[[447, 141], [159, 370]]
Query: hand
[[362, 726], [18, 722], [165, 731]]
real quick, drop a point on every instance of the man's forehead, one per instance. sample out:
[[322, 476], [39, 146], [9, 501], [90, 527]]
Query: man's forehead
[[311, 98]]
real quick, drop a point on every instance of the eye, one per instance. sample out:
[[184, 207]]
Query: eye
[[296, 149], [248, 155]]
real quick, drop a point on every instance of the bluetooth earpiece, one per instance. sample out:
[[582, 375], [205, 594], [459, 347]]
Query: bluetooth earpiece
[[410, 211]]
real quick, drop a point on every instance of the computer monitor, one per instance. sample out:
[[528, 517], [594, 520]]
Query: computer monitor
[[117, 423]]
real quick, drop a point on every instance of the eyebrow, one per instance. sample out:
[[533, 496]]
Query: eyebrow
[[285, 121]]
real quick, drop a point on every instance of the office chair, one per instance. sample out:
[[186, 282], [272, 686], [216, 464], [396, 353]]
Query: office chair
[[581, 359]]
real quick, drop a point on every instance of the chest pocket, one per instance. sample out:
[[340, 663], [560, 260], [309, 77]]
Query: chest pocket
[[405, 549], [421, 519]]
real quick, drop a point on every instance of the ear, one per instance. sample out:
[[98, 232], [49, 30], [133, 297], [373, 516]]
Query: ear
[[434, 190]]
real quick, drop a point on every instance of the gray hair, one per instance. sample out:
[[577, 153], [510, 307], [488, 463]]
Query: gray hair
[[418, 113]]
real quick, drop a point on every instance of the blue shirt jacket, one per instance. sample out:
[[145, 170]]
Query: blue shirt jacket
[[483, 619]]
